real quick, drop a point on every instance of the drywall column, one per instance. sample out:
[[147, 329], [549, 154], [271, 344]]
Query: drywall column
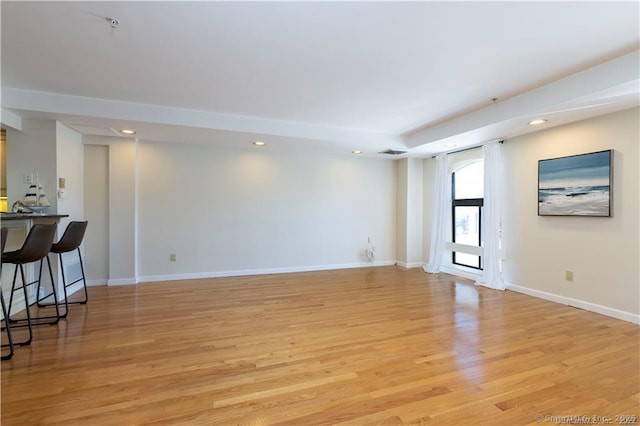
[[402, 174], [428, 176], [415, 213], [70, 167], [410, 212], [122, 201], [96, 240]]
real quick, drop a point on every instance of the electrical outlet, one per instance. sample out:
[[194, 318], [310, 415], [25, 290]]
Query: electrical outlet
[[568, 275], [61, 183], [28, 178], [172, 257]]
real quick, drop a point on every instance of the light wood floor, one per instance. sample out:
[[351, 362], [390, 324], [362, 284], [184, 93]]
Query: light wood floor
[[355, 347]]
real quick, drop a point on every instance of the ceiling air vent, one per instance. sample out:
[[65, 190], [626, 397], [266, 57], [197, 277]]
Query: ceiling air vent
[[393, 152]]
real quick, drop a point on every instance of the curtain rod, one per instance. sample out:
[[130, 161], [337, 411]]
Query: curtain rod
[[500, 141]]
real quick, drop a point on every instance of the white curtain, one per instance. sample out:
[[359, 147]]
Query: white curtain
[[439, 215], [491, 217]]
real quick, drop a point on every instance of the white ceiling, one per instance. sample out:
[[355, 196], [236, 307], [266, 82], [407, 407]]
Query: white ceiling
[[319, 75]]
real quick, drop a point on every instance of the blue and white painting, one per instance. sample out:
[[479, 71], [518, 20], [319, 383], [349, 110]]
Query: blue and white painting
[[579, 185]]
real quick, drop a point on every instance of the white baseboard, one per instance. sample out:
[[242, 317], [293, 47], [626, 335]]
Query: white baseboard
[[122, 281], [461, 273], [264, 271], [410, 264], [95, 283], [587, 306]]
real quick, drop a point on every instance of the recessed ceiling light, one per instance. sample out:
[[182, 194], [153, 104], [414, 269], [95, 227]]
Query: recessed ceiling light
[[259, 143], [128, 132], [357, 152], [536, 122]]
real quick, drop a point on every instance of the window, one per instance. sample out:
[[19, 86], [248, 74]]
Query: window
[[467, 188]]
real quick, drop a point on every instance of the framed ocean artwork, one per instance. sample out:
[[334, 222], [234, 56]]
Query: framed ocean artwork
[[577, 185]]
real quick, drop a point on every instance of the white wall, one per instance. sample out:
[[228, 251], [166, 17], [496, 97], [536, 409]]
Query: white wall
[[122, 211], [603, 253], [32, 150], [402, 182], [225, 211], [69, 165], [96, 197], [415, 214], [409, 218], [111, 170], [428, 176]]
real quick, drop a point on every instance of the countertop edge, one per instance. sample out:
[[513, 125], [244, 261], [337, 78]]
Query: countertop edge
[[20, 216]]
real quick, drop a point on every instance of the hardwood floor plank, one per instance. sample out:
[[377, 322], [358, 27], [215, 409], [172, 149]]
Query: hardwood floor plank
[[370, 346]]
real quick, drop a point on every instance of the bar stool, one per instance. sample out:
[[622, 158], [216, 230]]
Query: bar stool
[[70, 241], [35, 248], [5, 313]]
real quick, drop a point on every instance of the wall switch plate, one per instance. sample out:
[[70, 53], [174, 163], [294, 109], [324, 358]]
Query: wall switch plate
[[61, 183], [172, 258], [568, 275]]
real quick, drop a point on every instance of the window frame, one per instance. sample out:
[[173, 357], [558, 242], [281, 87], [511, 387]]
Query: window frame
[[465, 202]]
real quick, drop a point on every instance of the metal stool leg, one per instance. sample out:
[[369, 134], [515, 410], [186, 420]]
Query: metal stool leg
[[37, 320], [7, 327], [35, 247], [64, 289], [26, 303], [67, 285], [84, 280]]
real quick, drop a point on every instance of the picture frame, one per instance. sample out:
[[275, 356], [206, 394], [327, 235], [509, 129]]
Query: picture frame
[[576, 185]]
